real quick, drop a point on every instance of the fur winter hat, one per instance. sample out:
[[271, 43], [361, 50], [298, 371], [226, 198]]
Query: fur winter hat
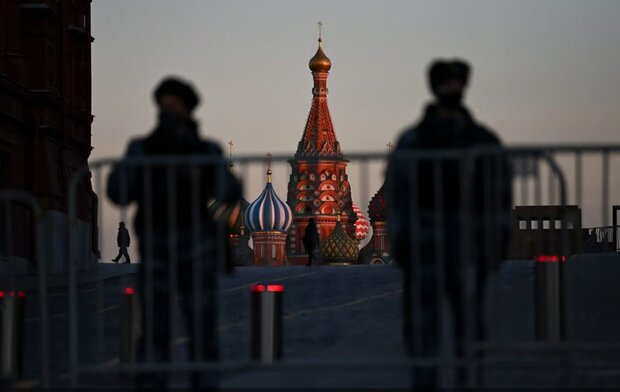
[[179, 88], [441, 70]]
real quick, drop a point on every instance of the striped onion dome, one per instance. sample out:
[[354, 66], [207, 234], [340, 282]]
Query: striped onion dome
[[362, 225], [231, 214], [268, 212], [338, 248]]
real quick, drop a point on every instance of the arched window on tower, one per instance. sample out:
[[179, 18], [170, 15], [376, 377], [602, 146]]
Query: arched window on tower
[[328, 210]]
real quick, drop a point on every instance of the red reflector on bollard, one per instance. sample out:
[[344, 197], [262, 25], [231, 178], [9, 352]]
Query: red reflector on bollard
[[21, 294], [1, 294], [129, 290], [267, 326], [12, 294], [549, 258]]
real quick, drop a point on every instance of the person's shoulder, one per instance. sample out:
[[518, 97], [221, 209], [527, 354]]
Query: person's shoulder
[[208, 146], [481, 132], [136, 146], [416, 135], [487, 135], [410, 137]]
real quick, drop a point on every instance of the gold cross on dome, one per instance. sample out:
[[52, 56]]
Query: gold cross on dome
[[268, 167], [389, 146], [230, 162]]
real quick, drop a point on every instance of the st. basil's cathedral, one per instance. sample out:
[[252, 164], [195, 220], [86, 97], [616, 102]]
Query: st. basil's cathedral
[[269, 231]]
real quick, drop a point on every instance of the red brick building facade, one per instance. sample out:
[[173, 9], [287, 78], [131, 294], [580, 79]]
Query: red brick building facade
[[45, 120]]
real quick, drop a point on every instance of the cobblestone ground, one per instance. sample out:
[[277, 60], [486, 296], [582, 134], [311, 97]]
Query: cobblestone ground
[[342, 326]]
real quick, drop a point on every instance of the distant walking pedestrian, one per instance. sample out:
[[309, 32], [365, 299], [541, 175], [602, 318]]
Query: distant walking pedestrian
[[311, 240], [122, 240]]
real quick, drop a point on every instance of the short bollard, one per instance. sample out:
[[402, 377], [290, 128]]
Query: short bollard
[[267, 322], [130, 325], [12, 309], [549, 315]]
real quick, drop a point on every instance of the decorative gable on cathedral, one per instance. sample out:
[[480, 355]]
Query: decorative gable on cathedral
[[319, 139]]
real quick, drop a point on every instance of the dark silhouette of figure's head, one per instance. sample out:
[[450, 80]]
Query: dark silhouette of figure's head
[[448, 80], [121, 225], [176, 101]]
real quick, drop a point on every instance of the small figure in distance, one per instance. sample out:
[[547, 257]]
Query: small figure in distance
[[122, 240], [311, 240]]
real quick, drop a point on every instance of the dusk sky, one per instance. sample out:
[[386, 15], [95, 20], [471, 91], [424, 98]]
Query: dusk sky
[[543, 71]]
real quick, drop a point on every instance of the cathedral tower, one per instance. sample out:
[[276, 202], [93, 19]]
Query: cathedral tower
[[318, 186]]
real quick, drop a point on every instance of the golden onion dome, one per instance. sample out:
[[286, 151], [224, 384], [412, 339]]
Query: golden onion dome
[[320, 62], [339, 248]]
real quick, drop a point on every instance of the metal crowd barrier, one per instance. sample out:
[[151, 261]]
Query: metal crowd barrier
[[546, 229], [17, 291], [542, 178], [152, 294]]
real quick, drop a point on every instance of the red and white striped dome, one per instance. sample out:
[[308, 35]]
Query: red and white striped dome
[[362, 225]]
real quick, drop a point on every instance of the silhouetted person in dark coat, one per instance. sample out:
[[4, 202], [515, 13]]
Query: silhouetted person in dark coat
[[311, 240], [177, 236], [122, 240], [445, 214]]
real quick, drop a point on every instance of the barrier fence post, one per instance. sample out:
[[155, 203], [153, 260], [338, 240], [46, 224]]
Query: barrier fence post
[[615, 228], [549, 300], [130, 325], [11, 341], [267, 322]]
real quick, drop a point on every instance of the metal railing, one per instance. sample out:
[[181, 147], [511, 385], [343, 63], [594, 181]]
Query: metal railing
[[16, 289], [542, 177], [452, 218], [601, 239]]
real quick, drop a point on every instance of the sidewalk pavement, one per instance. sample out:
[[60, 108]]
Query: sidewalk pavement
[[99, 273]]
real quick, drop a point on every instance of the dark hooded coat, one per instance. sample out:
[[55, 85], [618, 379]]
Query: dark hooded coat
[[444, 214]]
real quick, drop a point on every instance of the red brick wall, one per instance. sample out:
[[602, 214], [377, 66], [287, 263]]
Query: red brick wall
[[45, 100]]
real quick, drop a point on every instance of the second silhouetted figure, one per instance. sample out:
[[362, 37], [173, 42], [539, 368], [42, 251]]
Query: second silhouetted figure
[[311, 240], [449, 204]]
